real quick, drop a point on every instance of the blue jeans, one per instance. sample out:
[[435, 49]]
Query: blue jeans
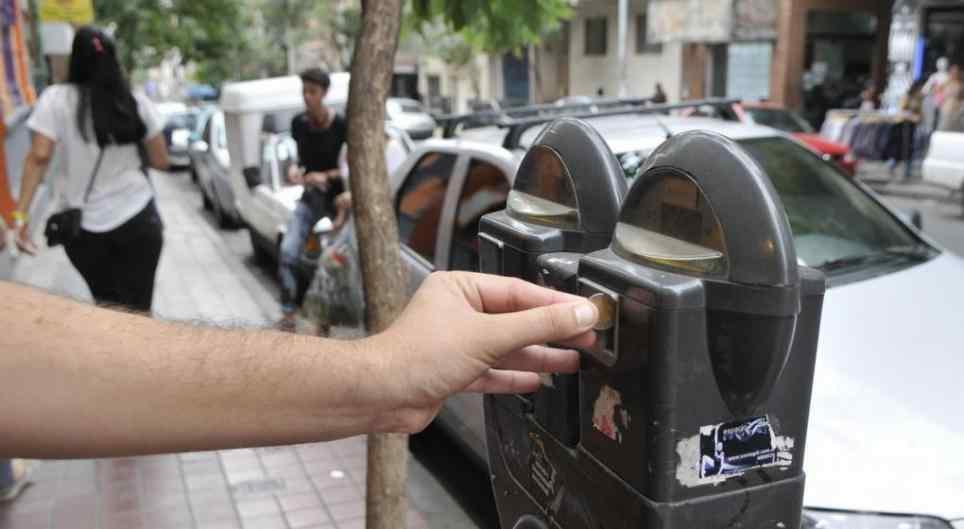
[[303, 219], [6, 473]]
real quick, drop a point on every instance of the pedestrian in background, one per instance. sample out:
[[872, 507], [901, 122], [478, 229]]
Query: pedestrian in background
[[911, 111], [952, 92], [320, 133], [659, 96], [105, 137]]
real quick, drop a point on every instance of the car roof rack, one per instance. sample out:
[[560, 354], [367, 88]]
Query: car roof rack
[[518, 126], [451, 123]]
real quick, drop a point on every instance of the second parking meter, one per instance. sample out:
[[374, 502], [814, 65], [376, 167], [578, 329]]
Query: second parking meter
[[692, 405]]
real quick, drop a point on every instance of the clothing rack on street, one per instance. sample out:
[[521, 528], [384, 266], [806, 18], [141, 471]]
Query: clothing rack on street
[[873, 135]]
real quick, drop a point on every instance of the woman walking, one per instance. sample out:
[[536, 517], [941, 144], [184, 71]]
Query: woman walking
[[106, 137]]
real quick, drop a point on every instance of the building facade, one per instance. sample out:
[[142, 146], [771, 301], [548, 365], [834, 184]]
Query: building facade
[[804, 54]]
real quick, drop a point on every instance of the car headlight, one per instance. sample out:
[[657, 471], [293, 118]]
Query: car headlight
[[826, 519]]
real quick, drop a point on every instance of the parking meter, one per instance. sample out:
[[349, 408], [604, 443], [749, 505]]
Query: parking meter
[[564, 203], [692, 405]]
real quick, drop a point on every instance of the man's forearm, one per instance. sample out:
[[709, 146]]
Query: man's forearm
[[170, 387]]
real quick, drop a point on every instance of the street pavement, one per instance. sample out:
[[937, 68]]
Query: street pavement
[[880, 179], [941, 221], [942, 210], [207, 275]]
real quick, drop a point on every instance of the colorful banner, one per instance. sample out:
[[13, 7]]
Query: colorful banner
[[75, 11], [16, 88]]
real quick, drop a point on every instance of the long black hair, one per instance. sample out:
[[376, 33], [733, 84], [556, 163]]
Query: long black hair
[[105, 95]]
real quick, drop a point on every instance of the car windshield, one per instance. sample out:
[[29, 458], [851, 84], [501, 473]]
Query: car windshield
[[836, 227], [779, 119], [408, 106], [411, 106]]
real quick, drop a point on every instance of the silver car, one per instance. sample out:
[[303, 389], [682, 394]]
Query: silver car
[[211, 163], [885, 426], [410, 116]]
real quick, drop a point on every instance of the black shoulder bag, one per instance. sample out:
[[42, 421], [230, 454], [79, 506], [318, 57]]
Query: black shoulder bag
[[64, 226]]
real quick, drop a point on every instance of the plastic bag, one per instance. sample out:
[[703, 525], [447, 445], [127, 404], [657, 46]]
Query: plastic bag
[[336, 296]]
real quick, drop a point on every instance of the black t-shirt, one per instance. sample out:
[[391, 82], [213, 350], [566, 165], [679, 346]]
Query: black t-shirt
[[318, 150]]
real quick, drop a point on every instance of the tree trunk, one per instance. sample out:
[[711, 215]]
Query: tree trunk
[[371, 75]]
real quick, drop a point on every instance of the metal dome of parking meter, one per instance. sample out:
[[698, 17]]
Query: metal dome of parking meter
[[693, 403], [565, 198]]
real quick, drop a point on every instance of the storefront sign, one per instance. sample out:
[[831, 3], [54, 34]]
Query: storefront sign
[[690, 20], [75, 11]]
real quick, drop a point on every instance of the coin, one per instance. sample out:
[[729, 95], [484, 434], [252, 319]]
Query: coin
[[606, 306]]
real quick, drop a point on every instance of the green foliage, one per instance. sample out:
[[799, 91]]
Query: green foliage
[[202, 30], [495, 26], [345, 27]]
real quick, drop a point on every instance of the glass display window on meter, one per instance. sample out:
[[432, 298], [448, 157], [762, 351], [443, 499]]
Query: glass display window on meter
[[670, 224], [544, 192]]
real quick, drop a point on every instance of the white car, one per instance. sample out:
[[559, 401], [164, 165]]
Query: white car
[[410, 116], [886, 425], [944, 163]]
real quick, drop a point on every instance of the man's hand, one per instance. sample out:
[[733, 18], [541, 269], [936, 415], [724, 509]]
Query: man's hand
[[477, 333], [343, 201], [317, 179]]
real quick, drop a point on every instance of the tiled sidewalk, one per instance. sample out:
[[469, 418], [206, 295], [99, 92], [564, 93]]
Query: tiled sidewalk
[[316, 485]]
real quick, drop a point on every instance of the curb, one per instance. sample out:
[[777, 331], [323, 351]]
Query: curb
[[944, 196]]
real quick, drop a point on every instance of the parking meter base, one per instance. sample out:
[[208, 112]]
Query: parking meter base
[[536, 480]]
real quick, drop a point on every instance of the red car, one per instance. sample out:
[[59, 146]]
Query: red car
[[771, 115]]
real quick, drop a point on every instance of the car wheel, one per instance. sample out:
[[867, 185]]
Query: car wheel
[[205, 201], [219, 216], [261, 255], [193, 174]]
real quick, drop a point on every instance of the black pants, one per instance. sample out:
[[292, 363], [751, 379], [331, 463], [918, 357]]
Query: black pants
[[119, 265]]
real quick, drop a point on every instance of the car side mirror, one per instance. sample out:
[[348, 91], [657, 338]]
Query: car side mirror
[[252, 176], [917, 219], [912, 217], [200, 145]]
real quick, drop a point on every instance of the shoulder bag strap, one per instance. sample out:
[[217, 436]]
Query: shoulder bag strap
[[142, 153], [93, 175]]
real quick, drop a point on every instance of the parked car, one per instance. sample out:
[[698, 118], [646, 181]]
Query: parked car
[[883, 417], [179, 121], [772, 115], [204, 114], [211, 162], [410, 116], [944, 163]]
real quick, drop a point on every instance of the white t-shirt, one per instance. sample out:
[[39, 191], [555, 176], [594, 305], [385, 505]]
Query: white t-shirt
[[120, 190]]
